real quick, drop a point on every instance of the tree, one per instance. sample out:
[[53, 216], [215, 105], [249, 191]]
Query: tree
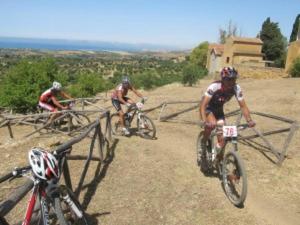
[[192, 73], [296, 28], [88, 85], [199, 54], [23, 83], [274, 44], [231, 30]]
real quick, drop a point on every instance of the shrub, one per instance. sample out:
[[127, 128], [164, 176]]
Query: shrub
[[87, 85], [23, 84], [295, 68], [192, 73]]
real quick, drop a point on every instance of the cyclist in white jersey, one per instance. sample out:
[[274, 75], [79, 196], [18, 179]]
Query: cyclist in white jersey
[[216, 95]]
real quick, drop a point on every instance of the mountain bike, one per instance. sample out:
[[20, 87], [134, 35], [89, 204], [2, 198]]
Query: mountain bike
[[55, 203], [145, 126], [68, 121], [227, 163]]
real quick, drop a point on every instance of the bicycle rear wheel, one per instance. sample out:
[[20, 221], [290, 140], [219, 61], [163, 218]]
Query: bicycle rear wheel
[[69, 211], [234, 178], [116, 126], [39, 123], [146, 127]]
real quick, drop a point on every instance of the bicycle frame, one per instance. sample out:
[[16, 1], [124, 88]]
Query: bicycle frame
[[135, 111], [44, 192]]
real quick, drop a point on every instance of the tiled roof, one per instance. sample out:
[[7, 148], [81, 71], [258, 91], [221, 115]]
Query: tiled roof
[[246, 40]]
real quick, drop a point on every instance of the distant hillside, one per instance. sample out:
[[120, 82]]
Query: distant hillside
[[61, 44]]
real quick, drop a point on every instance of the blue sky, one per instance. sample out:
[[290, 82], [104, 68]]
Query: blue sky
[[182, 23]]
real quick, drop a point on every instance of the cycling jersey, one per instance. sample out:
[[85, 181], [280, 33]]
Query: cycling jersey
[[123, 90], [45, 100], [47, 95], [219, 96]]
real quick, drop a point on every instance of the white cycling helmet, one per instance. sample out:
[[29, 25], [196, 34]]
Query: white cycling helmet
[[44, 165], [56, 86]]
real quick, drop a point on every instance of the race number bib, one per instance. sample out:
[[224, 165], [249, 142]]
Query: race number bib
[[139, 105], [229, 131]]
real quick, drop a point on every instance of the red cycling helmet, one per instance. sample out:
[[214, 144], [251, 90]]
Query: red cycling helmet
[[228, 73]]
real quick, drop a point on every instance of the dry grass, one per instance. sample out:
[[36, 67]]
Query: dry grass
[[158, 182]]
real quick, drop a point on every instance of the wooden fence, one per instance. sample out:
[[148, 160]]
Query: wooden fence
[[95, 131], [279, 152]]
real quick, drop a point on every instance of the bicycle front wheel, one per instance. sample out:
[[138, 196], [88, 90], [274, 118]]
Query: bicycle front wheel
[[79, 120], [234, 178], [146, 127], [68, 208]]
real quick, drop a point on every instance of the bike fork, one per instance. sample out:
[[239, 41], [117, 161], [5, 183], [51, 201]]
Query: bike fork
[[31, 205], [71, 204]]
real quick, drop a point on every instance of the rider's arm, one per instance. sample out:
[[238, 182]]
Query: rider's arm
[[65, 95], [120, 97], [245, 110], [136, 92], [203, 105], [243, 105], [54, 100]]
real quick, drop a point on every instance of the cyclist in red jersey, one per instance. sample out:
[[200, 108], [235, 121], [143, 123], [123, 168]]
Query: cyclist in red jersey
[[49, 101], [216, 95], [119, 97]]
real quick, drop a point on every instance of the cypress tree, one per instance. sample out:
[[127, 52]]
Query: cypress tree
[[296, 28], [274, 45]]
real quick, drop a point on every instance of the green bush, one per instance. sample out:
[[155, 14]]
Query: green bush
[[295, 68], [192, 73], [23, 84], [88, 85], [146, 80]]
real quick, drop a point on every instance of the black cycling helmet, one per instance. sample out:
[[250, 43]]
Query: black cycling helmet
[[228, 73]]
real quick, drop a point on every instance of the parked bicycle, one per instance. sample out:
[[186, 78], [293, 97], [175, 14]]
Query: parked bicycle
[[69, 120], [227, 163], [145, 126], [56, 203]]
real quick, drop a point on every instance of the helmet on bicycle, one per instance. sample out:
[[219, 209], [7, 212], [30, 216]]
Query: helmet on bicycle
[[228, 73], [44, 165], [126, 80], [56, 86]]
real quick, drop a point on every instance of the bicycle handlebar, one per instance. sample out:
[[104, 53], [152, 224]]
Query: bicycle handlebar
[[15, 173], [240, 126]]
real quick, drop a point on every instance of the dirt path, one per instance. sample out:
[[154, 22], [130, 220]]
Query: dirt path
[[158, 182]]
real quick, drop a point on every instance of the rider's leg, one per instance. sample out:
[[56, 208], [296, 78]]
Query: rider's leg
[[50, 108], [220, 122], [121, 115], [53, 117], [210, 118], [122, 120], [220, 139], [116, 103]]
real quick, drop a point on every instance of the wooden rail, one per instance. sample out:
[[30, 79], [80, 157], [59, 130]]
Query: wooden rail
[[14, 198]]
